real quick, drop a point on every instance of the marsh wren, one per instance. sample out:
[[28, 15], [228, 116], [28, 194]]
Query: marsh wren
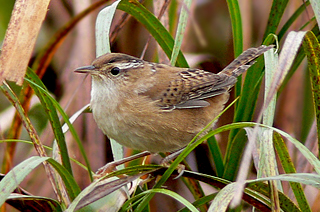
[[157, 107]]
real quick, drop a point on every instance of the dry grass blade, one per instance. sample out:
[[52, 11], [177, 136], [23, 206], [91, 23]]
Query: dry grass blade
[[286, 58], [20, 40], [32, 133]]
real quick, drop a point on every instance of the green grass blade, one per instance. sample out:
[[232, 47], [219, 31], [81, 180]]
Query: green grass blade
[[271, 61], [286, 58], [261, 190], [103, 24], [17, 174], [248, 101], [299, 58], [23, 141], [31, 131], [223, 199], [202, 201], [249, 94], [66, 119], [305, 178], [256, 194], [52, 116], [161, 191], [153, 25], [313, 160], [308, 109], [216, 154], [236, 24], [288, 167], [44, 146], [33, 203], [257, 191], [312, 50], [310, 157], [196, 190], [316, 8], [180, 31], [110, 189], [267, 162], [294, 17], [244, 112], [276, 12], [71, 185]]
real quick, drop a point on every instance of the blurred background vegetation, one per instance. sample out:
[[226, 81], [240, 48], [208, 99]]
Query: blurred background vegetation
[[208, 44]]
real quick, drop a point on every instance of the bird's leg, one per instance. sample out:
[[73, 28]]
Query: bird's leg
[[109, 167], [172, 156], [165, 161]]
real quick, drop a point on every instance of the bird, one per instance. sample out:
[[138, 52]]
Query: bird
[[157, 107]]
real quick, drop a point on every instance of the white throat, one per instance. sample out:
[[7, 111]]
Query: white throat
[[104, 93]]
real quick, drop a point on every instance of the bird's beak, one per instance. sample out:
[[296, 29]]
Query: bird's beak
[[85, 69]]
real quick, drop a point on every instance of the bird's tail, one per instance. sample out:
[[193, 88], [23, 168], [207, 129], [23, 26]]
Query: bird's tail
[[245, 60]]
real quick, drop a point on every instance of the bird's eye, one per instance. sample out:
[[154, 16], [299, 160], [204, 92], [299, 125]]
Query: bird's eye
[[115, 71]]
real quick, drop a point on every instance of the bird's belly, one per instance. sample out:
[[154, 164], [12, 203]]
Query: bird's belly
[[141, 130], [146, 127], [140, 134]]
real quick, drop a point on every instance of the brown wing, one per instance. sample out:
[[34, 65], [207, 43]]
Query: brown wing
[[192, 87]]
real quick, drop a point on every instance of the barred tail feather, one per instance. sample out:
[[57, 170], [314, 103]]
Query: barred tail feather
[[245, 60]]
